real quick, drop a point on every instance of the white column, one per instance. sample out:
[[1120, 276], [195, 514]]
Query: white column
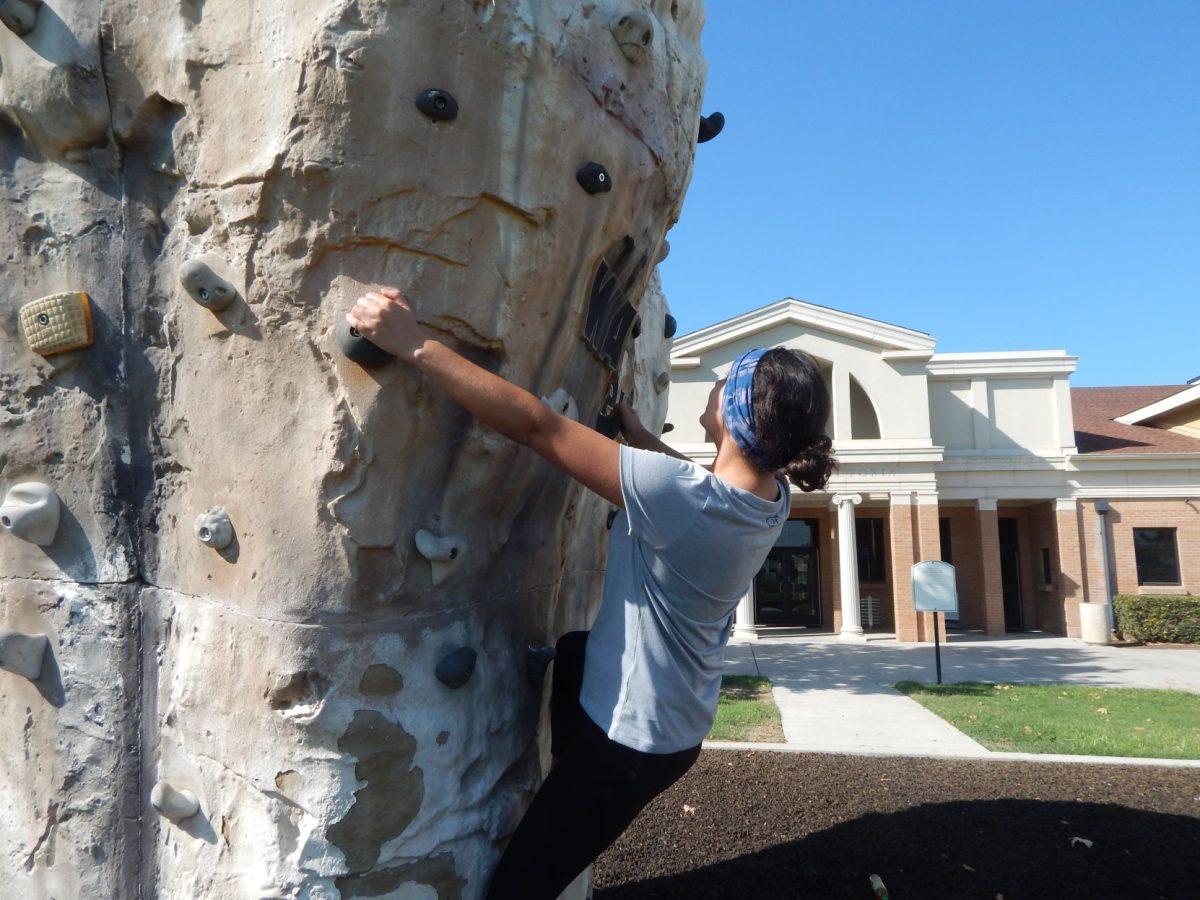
[[744, 620], [848, 566]]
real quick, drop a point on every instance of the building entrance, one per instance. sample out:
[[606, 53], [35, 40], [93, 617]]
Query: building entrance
[[787, 589], [1010, 574]]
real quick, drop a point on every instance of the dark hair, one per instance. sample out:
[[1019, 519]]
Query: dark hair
[[791, 405]]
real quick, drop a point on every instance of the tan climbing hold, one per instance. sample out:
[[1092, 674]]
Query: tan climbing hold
[[634, 32], [57, 323]]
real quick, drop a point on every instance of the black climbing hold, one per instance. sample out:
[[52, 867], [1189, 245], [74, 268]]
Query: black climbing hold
[[612, 514], [456, 667], [359, 349], [537, 661], [667, 426], [608, 423], [669, 326], [594, 178], [438, 105], [637, 327], [710, 127]]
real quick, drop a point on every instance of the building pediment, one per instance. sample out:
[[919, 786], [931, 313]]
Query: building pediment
[[789, 311]]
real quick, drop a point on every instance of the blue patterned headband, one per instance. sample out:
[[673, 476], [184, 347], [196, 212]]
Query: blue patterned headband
[[737, 411]]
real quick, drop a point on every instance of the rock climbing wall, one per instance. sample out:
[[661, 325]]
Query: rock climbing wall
[[266, 597]]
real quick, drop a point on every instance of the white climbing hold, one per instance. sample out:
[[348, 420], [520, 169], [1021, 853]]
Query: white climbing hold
[[31, 511], [204, 285], [634, 32], [444, 553], [563, 403], [662, 381], [214, 528], [22, 654], [172, 804]]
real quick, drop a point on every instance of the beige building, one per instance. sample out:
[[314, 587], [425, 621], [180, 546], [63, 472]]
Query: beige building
[[990, 461]]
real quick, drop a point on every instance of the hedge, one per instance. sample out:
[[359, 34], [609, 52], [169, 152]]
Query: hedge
[[1172, 620]]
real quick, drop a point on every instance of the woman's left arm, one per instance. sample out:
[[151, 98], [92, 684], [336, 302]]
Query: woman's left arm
[[385, 318]]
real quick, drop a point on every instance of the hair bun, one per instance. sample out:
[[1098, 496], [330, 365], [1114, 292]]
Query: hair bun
[[810, 470]]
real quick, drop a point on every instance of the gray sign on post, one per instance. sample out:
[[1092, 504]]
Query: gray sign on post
[[934, 587]]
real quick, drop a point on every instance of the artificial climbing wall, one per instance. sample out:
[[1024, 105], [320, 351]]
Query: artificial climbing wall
[[267, 598]]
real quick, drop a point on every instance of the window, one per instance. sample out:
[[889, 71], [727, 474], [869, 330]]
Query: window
[[868, 534], [1047, 569], [1157, 555], [944, 538]]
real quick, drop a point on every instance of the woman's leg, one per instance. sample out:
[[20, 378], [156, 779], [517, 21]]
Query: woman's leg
[[565, 684], [590, 796]]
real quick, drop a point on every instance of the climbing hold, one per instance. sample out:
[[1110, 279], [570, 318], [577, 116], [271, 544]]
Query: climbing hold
[[439, 105], [172, 804], [710, 127], [537, 661], [205, 286], [57, 323], [608, 422], [667, 427], [456, 667], [563, 403], [30, 512], [669, 326], [22, 654], [19, 15], [214, 528], [664, 250], [594, 178], [358, 349], [612, 515], [292, 688], [637, 327], [661, 381], [633, 33], [444, 553]]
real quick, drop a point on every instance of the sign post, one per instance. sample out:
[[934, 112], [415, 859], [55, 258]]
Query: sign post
[[935, 590]]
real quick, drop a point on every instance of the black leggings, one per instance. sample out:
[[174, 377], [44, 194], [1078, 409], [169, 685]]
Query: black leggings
[[594, 790]]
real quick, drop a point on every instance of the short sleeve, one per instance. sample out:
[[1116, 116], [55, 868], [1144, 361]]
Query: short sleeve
[[663, 494]]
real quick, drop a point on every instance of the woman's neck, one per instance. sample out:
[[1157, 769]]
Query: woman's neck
[[732, 467]]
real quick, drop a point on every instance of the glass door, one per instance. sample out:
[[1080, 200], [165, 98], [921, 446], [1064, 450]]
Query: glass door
[[787, 589]]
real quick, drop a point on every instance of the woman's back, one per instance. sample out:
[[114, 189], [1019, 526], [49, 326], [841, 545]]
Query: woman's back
[[681, 555]]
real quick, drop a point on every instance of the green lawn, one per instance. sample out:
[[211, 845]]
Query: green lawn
[[746, 711], [1063, 718]]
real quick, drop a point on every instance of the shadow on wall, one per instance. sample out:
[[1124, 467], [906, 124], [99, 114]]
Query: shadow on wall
[[989, 848], [828, 664]]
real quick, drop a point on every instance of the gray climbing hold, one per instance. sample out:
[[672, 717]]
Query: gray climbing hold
[[31, 512], [710, 127], [537, 661], [19, 15], [214, 528], [667, 427], [594, 178], [669, 326], [562, 403], [439, 105], [172, 804], [456, 667], [22, 654], [664, 250], [205, 286], [661, 381], [358, 349], [634, 32], [444, 553], [612, 515]]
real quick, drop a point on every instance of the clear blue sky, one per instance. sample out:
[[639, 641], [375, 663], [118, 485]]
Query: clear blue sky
[[1005, 175]]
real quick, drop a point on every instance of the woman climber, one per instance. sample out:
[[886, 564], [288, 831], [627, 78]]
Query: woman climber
[[633, 698]]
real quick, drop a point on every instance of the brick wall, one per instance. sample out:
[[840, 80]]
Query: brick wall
[[965, 555], [1184, 517]]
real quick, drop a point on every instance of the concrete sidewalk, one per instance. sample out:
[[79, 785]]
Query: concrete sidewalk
[[836, 697]]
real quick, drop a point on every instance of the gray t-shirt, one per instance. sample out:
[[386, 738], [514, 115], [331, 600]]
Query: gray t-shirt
[[680, 557]]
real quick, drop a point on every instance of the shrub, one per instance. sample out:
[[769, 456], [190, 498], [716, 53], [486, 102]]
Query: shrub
[[1173, 620]]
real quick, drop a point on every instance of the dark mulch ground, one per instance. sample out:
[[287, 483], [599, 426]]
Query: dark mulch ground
[[769, 825]]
